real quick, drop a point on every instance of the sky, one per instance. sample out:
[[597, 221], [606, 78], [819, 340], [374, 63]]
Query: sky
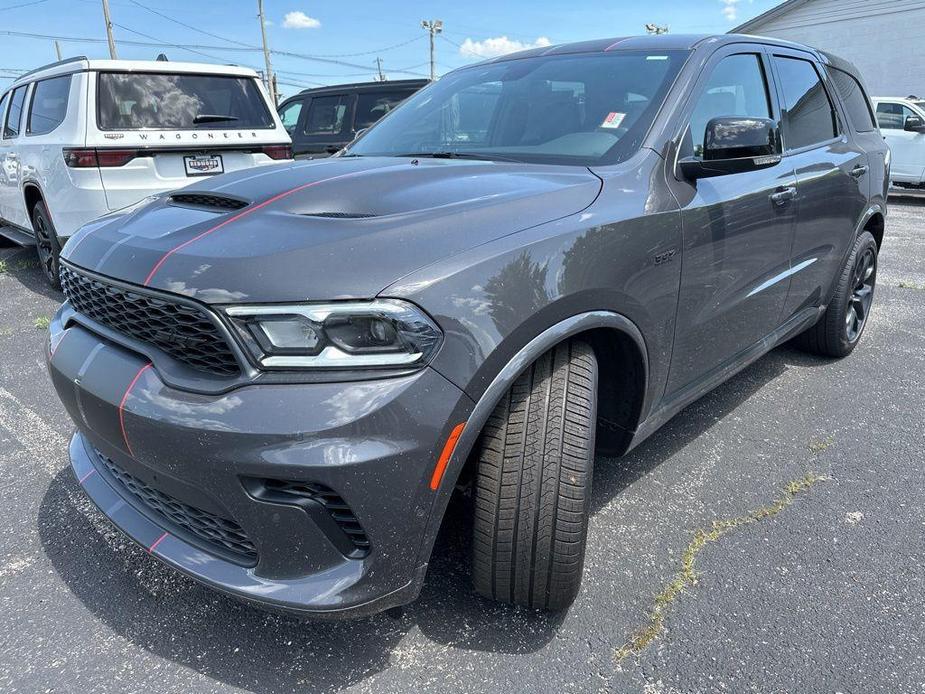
[[338, 41]]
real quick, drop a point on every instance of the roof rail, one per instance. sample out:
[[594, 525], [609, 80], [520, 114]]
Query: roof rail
[[75, 59]]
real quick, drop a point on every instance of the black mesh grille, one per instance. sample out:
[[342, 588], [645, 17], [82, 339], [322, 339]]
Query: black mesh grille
[[184, 332], [331, 500], [205, 200], [214, 530]]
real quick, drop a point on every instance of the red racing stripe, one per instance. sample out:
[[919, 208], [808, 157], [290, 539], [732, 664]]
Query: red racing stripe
[[128, 446]]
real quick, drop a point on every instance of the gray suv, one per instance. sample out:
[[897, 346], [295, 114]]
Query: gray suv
[[280, 376]]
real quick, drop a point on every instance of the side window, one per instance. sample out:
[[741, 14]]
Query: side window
[[49, 105], [857, 103], [14, 115], [737, 87], [372, 106], [892, 116], [3, 100], [809, 117], [326, 115], [290, 115]]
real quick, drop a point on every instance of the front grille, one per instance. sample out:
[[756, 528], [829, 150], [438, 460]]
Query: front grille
[[222, 533], [206, 200], [327, 497], [183, 331]]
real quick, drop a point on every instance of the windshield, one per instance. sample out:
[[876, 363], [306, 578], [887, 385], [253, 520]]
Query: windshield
[[570, 109], [134, 101]]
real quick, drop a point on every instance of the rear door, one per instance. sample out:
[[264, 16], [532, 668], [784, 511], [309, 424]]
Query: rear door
[[908, 147], [737, 230], [160, 131], [832, 173], [326, 125], [12, 204]]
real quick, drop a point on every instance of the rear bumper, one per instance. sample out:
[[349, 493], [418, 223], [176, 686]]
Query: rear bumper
[[373, 444]]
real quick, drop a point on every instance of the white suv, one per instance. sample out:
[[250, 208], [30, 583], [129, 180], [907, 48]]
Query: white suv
[[82, 138], [902, 122]]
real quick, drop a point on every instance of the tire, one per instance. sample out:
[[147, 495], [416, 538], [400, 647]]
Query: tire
[[533, 483], [47, 244], [839, 330]]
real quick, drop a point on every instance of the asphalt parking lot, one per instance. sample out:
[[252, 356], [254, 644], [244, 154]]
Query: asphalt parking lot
[[825, 594]]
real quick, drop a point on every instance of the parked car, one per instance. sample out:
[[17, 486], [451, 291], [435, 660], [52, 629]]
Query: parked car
[[323, 121], [279, 379], [81, 138], [902, 121]]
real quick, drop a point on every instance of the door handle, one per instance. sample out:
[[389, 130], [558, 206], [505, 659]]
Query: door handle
[[784, 195], [859, 171]]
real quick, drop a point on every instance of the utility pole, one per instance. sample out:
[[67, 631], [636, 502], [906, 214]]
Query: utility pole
[[434, 27], [379, 67], [112, 41], [271, 83], [58, 50]]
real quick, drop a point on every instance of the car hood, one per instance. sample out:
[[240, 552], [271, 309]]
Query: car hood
[[321, 230]]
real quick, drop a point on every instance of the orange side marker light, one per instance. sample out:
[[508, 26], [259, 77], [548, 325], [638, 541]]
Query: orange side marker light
[[445, 456]]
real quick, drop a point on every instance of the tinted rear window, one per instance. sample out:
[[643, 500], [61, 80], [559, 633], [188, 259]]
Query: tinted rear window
[[856, 102], [134, 101], [372, 106], [49, 104]]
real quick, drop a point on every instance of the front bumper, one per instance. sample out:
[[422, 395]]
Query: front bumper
[[200, 463]]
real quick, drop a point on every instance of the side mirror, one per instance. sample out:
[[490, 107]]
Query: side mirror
[[914, 124], [735, 145]]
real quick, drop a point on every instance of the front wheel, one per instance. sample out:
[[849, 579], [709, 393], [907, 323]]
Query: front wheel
[[533, 483], [46, 244], [839, 330]]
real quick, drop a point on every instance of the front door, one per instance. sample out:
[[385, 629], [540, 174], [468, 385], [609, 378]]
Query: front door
[[737, 231]]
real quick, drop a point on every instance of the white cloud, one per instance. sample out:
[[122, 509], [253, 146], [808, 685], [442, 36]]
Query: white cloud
[[300, 20], [501, 45], [730, 11]]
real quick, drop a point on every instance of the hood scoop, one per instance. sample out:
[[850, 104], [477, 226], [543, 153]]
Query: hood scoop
[[209, 201]]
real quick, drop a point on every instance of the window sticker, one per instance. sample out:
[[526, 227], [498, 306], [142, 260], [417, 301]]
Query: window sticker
[[613, 120]]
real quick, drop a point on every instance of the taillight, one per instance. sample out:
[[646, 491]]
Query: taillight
[[278, 151], [78, 158], [115, 157]]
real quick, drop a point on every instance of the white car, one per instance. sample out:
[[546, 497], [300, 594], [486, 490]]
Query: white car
[[82, 138], [902, 122]]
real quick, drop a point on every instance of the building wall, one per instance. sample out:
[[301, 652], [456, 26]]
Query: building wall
[[884, 39]]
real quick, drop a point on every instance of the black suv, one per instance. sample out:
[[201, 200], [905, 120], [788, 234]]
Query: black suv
[[280, 376], [322, 121]]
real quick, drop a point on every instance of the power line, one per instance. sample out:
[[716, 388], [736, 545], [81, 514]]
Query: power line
[[190, 26], [25, 4], [198, 48], [171, 45]]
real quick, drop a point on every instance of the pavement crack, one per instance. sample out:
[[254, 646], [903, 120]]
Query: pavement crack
[[686, 577]]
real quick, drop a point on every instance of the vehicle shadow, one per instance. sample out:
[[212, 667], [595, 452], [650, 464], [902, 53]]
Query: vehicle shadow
[[236, 644], [22, 265]]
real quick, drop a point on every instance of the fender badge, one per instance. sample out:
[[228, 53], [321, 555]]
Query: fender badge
[[113, 136]]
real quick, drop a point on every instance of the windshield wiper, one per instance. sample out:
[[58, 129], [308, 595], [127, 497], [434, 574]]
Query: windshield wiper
[[212, 118], [449, 154]]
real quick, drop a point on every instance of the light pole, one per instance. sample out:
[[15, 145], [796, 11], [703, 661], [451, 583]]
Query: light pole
[[434, 27]]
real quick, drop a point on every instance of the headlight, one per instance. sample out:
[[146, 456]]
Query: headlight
[[349, 335]]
